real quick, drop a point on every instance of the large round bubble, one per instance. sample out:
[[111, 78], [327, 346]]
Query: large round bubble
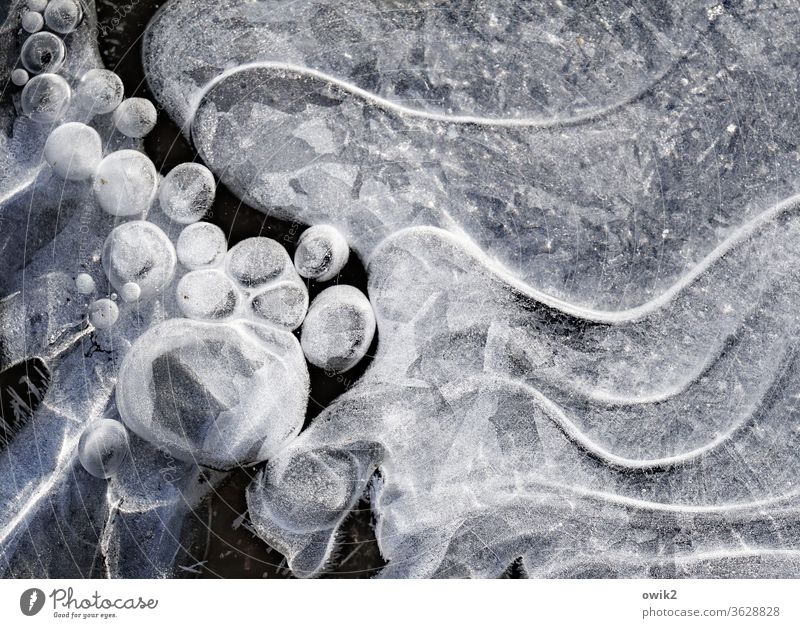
[[74, 151], [103, 447], [63, 16], [43, 52], [207, 294], [45, 98], [338, 329], [187, 193], [135, 117], [201, 244], [218, 394], [125, 183], [139, 252], [99, 91], [32, 21], [255, 261]]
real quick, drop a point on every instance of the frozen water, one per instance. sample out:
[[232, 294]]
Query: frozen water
[[85, 284], [219, 395], [130, 292], [187, 193], [73, 151], [321, 253], [338, 329], [125, 183], [139, 252], [43, 52], [135, 117], [208, 294], [19, 77], [63, 16], [99, 91], [32, 21], [103, 313], [201, 244], [45, 98], [103, 447]]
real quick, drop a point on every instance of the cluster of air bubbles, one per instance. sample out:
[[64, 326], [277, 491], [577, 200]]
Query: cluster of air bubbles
[[103, 447], [187, 193]]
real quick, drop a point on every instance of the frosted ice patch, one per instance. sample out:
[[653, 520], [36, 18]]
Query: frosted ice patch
[[187, 192], [141, 253], [125, 183], [63, 16], [135, 117], [103, 313], [43, 52], [338, 328], [103, 447], [201, 244], [218, 394], [99, 91], [207, 294], [321, 253], [73, 151]]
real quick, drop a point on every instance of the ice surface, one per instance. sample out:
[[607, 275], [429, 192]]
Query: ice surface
[[321, 253], [187, 192], [135, 117], [43, 52], [338, 329], [217, 395], [103, 447], [125, 183], [73, 151]]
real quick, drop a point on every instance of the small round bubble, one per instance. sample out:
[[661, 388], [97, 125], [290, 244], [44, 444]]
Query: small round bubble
[[19, 77], [73, 151], [63, 16], [103, 447], [45, 98], [139, 252], [201, 244], [130, 292], [207, 294], [321, 253], [99, 91], [43, 52], [187, 193], [125, 183], [32, 21], [84, 283], [135, 117], [103, 313], [37, 5]]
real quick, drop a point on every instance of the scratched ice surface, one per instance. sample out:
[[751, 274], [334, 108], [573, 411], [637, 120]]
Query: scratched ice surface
[[579, 225]]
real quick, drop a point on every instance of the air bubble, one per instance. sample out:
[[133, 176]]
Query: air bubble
[[103, 447], [321, 253], [187, 193], [207, 294], [135, 117], [37, 5], [63, 16], [19, 77], [201, 244], [43, 52], [74, 151], [45, 98], [32, 22], [84, 283], [255, 261], [99, 91], [125, 183], [139, 252], [103, 313]]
